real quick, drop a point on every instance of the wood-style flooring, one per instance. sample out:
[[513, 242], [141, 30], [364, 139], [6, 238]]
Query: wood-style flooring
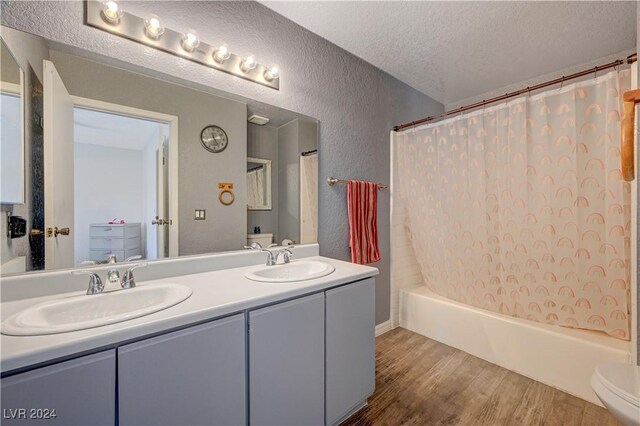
[[423, 382]]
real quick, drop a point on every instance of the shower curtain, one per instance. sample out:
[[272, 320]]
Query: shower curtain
[[521, 208], [255, 187]]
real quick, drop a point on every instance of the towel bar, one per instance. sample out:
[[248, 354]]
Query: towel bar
[[332, 181]]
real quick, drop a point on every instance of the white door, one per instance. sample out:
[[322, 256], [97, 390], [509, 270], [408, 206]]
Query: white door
[[58, 171], [162, 196]]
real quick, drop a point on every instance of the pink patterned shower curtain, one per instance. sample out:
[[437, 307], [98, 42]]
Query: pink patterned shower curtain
[[521, 208]]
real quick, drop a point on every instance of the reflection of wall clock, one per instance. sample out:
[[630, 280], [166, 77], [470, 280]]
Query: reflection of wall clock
[[214, 139]]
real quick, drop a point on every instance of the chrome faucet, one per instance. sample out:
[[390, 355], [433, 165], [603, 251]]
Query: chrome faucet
[[286, 255], [271, 259], [128, 281], [96, 286], [113, 275], [254, 246]]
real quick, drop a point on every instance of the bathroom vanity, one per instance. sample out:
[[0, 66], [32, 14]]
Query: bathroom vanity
[[236, 352]]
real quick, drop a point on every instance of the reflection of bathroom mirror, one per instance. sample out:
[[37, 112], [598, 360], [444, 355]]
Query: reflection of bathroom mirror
[[289, 142], [116, 150], [258, 184], [11, 128]]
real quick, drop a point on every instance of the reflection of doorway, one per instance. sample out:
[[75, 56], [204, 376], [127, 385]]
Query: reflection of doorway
[[120, 174], [60, 180]]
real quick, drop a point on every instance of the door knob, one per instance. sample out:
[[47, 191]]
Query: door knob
[[55, 231], [61, 231]]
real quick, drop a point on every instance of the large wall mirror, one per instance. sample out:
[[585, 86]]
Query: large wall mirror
[[130, 166]]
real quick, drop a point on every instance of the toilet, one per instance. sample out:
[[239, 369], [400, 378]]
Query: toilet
[[618, 387], [263, 239]]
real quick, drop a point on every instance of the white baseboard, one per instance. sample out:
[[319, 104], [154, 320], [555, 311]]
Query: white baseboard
[[383, 328]]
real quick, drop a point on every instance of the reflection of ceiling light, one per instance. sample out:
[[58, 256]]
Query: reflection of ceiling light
[[248, 63], [222, 54], [111, 12], [258, 119], [153, 28], [272, 73], [190, 42]]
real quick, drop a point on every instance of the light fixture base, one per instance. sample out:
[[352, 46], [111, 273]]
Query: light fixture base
[[132, 27]]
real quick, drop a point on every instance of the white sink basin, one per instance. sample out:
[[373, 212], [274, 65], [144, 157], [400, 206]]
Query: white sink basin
[[298, 270], [89, 311]]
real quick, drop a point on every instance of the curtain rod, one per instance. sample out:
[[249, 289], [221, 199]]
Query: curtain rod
[[630, 59]]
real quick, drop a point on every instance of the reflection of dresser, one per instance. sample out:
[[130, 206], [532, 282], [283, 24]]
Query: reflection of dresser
[[122, 240]]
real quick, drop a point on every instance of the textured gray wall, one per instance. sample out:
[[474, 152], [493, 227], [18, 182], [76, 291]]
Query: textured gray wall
[[199, 170], [355, 103]]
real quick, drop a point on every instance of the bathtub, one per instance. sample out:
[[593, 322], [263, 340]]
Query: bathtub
[[557, 356]]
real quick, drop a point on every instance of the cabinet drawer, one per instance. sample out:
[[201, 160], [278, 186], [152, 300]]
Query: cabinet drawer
[[114, 243], [100, 255], [81, 391], [350, 348], [286, 363], [195, 376], [106, 231]]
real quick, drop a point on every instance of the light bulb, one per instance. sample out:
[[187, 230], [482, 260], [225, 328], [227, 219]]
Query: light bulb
[[248, 63], [272, 73], [221, 54], [111, 12], [190, 42], [153, 28]]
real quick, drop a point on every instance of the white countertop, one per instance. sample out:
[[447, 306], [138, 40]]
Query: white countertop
[[215, 294]]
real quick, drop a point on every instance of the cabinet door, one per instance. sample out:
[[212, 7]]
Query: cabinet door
[[82, 391], [195, 376], [350, 368], [286, 363]]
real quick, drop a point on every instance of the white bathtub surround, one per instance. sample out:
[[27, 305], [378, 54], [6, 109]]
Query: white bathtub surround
[[217, 292], [560, 357]]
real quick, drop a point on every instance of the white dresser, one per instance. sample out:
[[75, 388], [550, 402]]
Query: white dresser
[[123, 240]]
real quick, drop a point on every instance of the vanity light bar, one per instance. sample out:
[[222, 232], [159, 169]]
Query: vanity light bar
[[138, 29]]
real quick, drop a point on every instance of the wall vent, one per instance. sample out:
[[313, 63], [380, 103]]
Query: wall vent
[[258, 119]]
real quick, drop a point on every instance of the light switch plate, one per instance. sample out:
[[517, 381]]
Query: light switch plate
[[201, 214]]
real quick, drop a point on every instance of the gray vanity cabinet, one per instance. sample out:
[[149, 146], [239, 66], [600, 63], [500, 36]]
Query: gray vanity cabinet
[[286, 363], [350, 341], [195, 376], [80, 391]]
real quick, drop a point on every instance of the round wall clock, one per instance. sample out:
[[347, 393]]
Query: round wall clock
[[214, 139]]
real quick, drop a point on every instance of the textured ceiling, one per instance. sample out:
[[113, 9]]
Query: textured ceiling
[[456, 50], [112, 130]]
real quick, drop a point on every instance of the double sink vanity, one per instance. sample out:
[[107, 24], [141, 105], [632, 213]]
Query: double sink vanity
[[212, 339]]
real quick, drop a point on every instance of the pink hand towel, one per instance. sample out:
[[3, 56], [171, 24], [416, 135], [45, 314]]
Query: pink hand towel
[[362, 198]]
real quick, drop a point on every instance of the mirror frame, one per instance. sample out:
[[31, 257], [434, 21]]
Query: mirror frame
[[23, 124], [267, 164]]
